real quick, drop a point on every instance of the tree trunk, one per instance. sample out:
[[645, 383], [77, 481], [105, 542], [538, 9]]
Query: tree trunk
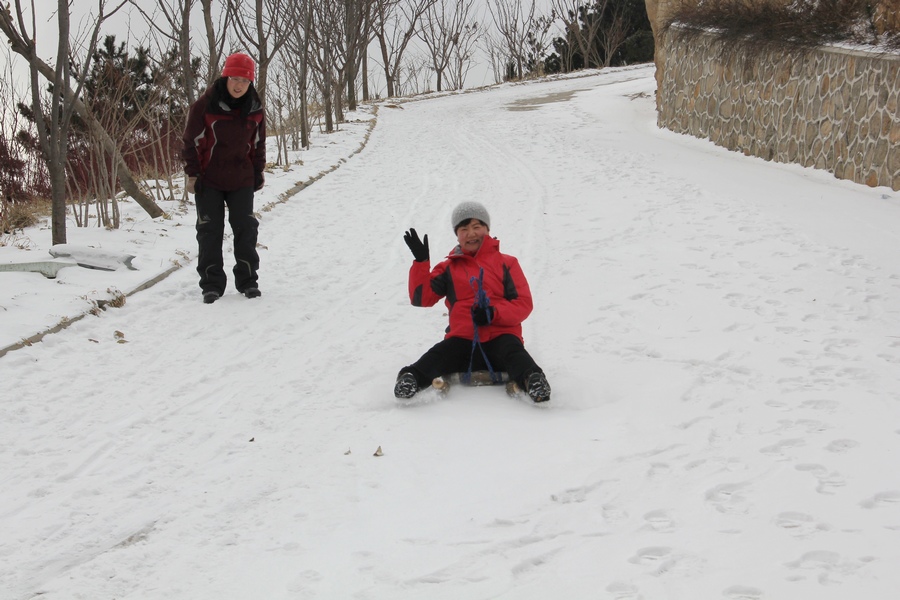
[[58, 206], [365, 76], [350, 41], [326, 99], [338, 100], [382, 42], [184, 43], [212, 72]]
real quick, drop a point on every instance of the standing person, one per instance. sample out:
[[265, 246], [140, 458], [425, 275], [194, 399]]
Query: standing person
[[487, 297], [224, 156]]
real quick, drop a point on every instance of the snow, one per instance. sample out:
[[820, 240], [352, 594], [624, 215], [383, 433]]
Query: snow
[[722, 335]]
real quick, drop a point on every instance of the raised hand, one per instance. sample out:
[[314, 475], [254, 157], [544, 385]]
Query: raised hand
[[418, 247]]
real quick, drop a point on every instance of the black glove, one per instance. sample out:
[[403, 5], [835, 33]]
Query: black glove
[[259, 180], [418, 248], [482, 315]]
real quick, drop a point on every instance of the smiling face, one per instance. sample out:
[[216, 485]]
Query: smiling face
[[237, 86], [470, 235]]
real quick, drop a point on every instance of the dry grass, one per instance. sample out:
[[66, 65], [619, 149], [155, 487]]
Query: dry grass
[[16, 216], [800, 25]]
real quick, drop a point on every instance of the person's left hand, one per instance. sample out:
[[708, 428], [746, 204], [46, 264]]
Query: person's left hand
[[259, 181], [482, 315]]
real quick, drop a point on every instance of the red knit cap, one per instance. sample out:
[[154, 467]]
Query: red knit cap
[[239, 65]]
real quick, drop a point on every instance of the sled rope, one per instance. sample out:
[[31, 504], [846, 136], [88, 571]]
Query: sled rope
[[481, 301]]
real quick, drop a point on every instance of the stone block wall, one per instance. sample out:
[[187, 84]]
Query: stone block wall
[[830, 108]]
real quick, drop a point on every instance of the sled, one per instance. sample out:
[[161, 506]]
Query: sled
[[475, 378]]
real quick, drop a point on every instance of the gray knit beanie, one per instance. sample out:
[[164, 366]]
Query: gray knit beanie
[[469, 210]]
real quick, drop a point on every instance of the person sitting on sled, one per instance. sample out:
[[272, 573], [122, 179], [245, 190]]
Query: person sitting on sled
[[487, 297]]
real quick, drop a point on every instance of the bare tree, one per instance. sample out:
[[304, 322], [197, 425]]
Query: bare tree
[[215, 41], [614, 31], [297, 41], [414, 76], [177, 17], [177, 72], [175, 27], [338, 33], [514, 20], [441, 29], [538, 42], [462, 58], [53, 130], [359, 19], [395, 25], [260, 25], [325, 45], [142, 108], [275, 115], [581, 29], [498, 54]]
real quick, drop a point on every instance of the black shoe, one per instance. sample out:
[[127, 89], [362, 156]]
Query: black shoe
[[537, 387], [252, 292], [406, 386], [210, 297]]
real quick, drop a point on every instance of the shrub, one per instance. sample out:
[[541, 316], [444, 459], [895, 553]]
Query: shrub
[[16, 216]]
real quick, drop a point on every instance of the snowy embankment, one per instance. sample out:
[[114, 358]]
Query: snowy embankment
[[722, 336]]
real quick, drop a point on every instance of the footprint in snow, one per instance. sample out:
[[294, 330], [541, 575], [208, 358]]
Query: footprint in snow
[[742, 592], [651, 555], [841, 446], [657, 470], [666, 562], [817, 559], [778, 449], [660, 521], [728, 498], [823, 405], [831, 566], [614, 513], [882, 499], [799, 524], [828, 480], [619, 590]]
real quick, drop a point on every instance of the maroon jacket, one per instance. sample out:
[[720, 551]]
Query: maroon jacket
[[504, 284], [225, 146]]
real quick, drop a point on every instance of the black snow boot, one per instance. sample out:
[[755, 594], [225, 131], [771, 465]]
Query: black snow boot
[[537, 387], [210, 297], [406, 386]]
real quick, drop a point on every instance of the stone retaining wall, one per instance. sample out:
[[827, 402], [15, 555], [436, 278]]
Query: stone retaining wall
[[831, 108]]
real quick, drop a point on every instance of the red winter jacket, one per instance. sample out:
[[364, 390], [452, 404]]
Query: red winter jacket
[[504, 283], [225, 147]]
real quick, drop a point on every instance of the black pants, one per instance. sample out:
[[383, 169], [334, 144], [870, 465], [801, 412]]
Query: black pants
[[211, 205], [505, 353]]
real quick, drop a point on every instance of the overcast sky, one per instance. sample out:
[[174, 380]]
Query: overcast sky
[[128, 25]]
